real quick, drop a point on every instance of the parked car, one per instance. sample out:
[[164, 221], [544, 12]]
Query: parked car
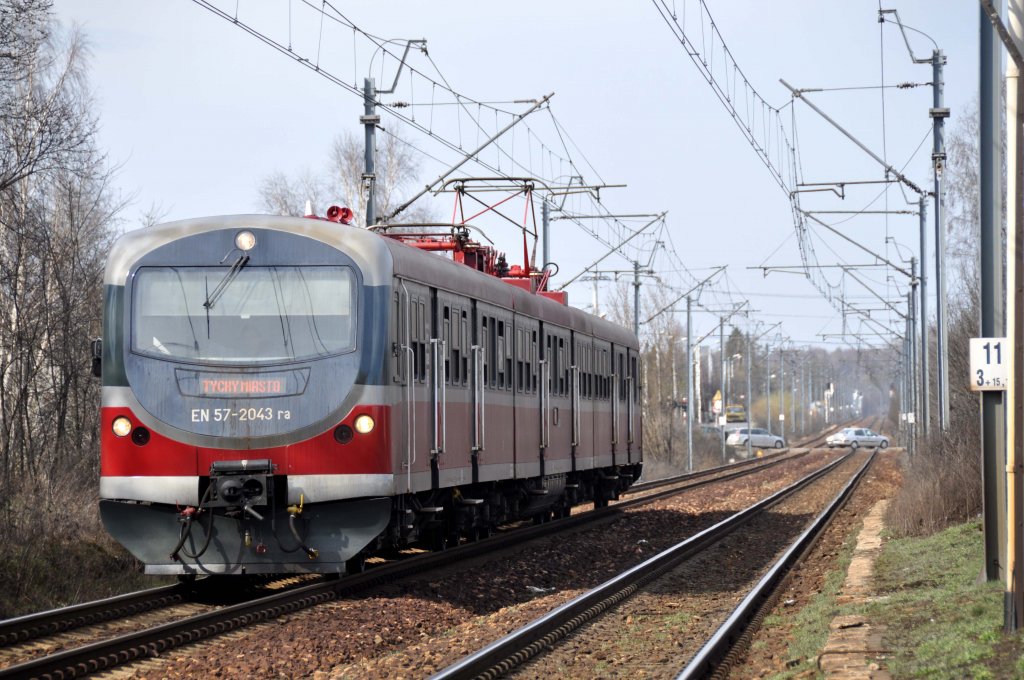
[[762, 439], [855, 437], [734, 413]]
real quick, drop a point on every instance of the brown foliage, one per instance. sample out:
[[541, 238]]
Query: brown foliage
[[943, 482]]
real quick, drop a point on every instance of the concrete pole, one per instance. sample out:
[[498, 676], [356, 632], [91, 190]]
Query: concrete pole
[[545, 222], [922, 208], [782, 394], [636, 298], [792, 403], [993, 441], [750, 369], [914, 382], [939, 115], [698, 393], [672, 360], [369, 121], [803, 398], [725, 395], [689, 386], [1015, 325]]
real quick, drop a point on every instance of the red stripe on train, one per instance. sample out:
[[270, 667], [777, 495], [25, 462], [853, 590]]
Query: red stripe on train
[[322, 454]]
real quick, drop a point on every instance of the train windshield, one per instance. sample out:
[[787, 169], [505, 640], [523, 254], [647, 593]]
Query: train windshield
[[255, 314]]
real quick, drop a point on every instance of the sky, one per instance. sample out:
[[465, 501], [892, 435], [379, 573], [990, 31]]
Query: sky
[[196, 112]]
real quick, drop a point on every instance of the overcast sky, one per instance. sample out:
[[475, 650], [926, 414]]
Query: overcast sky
[[196, 111]]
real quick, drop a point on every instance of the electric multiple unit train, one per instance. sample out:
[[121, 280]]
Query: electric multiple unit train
[[292, 395]]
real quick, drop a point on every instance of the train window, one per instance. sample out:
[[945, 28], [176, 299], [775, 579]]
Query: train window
[[533, 362], [563, 369], [446, 336], [482, 341], [636, 379], [464, 328], [261, 314], [493, 351], [507, 354], [398, 335], [502, 372], [520, 372], [622, 378]]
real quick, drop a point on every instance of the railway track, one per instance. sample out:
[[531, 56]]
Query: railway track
[[95, 654], [544, 634]]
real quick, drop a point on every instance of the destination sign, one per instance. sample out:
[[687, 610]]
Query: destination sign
[[224, 385]]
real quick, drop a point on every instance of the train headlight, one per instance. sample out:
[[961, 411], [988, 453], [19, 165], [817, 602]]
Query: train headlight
[[245, 240], [121, 426], [364, 424]]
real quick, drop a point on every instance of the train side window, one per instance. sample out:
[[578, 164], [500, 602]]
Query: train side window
[[446, 336], [422, 334], [398, 357], [465, 346], [492, 352], [622, 379], [591, 380], [563, 369], [607, 365], [484, 337], [507, 354], [533, 362], [636, 379], [502, 374], [549, 360], [582, 369], [520, 368]]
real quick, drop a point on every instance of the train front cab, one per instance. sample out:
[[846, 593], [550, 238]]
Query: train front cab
[[245, 424]]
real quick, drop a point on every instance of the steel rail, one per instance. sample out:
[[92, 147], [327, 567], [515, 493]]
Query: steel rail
[[707, 472], [717, 648], [154, 641], [31, 626], [514, 649]]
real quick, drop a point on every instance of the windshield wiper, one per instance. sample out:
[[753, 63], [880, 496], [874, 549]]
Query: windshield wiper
[[212, 298]]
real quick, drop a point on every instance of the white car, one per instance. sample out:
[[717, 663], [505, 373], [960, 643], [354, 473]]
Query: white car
[[855, 437], [762, 439]]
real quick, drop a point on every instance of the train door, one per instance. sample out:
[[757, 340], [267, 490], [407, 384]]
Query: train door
[[583, 402], [556, 415], [603, 421], [451, 394], [412, 429], [620, 403], [493, 404], [633, 428], [528, 378]]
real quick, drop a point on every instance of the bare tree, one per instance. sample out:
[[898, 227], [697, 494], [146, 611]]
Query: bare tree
[[282, 195], [57, 217], [342, 181], [46, 123]]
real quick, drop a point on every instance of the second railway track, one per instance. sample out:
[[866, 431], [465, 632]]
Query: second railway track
[[72, 663], [669, 598]]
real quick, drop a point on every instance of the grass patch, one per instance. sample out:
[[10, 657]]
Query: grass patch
[[940, 621], [808, 627]]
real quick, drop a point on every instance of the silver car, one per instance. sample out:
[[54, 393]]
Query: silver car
[[855, 437], [762, 439]]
